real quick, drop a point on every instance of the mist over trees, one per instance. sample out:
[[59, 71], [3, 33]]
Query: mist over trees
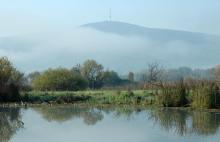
[[92, 75], [155, 72]]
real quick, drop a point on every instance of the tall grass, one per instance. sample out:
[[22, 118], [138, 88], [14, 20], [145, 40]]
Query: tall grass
[[205, 95], [173, 94]]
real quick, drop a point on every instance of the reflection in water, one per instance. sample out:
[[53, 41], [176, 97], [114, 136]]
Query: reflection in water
[[171, 119], [124, 120], [185, 122], [10, 123], [205, 123], [179, 121], [90, 115], [64, 113], [125, 112]]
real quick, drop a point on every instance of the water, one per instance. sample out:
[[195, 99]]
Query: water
[[115, 124]]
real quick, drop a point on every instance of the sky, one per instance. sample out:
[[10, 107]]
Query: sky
[[39, 34], [29, 16]]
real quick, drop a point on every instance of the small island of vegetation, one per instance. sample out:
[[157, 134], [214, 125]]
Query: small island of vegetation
[[91, 84]]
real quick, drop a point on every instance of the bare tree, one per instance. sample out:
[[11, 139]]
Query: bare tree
[[154, 72]]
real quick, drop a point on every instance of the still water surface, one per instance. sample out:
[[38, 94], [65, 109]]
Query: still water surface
[[119, 124]]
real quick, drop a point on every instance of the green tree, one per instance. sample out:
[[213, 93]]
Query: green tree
[[111, 78], [6, 69], [59, 79], [11, 81], [93, 72]]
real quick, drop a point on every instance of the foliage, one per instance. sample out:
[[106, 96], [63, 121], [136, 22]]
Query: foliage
[[111, 78], [71, 99], [137, 97], [11, 81], [59, 79], [198, 94], [6, 70], [32, 76], [93, 72]]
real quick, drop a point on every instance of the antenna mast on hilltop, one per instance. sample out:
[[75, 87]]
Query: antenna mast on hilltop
[[110, 14]]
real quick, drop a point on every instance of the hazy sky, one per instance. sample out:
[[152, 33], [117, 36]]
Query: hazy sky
[[44, 32], [26, 16]]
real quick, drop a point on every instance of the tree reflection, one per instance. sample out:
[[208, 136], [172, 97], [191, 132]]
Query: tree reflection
[[179, 121], [184, 122], [171, 120], [205, 123], [10, 123], [127, 112], [90, 116]]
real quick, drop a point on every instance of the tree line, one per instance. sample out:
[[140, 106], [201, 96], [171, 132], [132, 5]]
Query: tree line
[[92, 75], [88, 75]]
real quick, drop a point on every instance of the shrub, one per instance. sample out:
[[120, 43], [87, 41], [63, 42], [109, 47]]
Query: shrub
[[72, 99], [10, 94], [129, 93]]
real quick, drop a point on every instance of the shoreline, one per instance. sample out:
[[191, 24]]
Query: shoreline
[[26, 105]]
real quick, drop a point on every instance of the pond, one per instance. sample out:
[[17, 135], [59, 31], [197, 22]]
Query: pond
[[112, 124]]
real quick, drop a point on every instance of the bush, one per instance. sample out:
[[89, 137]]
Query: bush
[[130, 93], [71, 99], [10, 94]]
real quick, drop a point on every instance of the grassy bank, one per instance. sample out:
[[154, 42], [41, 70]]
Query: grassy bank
[[137, 97], [202, 96]]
